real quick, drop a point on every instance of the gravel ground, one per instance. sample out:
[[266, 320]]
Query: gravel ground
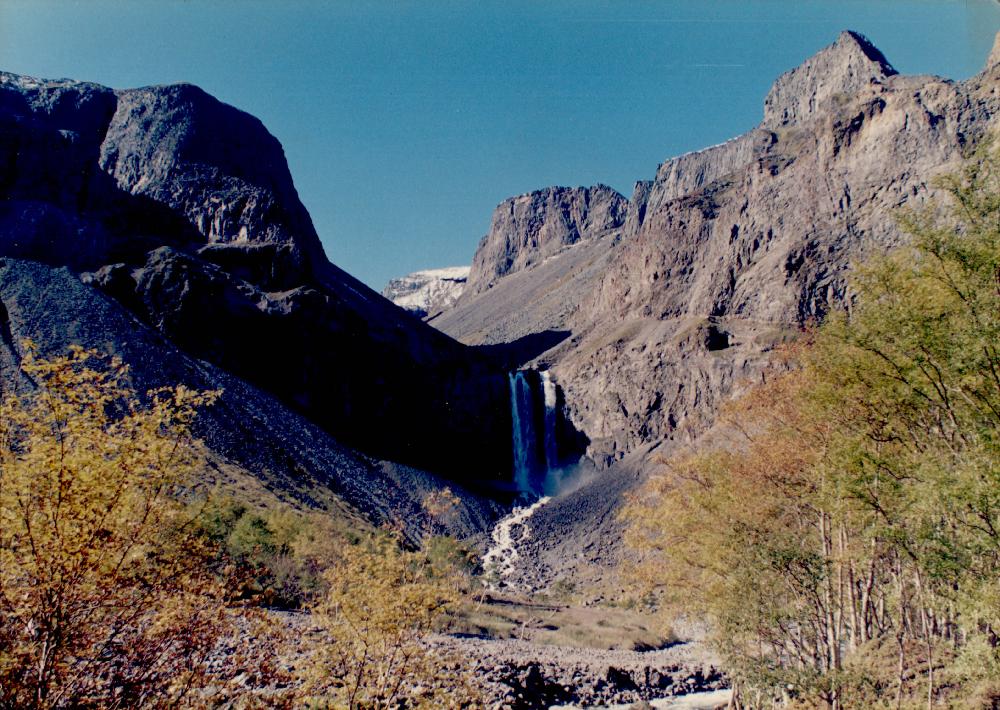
[[709, 700], [515, 674], [519, 674]]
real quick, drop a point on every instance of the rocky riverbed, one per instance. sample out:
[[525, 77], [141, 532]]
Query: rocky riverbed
[[519, 674], [514, 674]]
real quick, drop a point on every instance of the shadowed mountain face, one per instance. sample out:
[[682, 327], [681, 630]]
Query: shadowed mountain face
[[255, 443], [183, 210], [726, 251]]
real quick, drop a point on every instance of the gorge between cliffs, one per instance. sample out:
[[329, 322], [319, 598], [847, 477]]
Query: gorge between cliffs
[[471, 461]]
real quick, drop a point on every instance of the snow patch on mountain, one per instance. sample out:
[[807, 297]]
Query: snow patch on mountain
[[427, 293]]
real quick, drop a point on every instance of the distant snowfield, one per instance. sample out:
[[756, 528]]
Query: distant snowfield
[[451, 273], [428, 291]]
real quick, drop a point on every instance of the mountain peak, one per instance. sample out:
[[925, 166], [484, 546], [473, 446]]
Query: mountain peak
[[994, 59], [849, 40], [848, 66], [428, 292]]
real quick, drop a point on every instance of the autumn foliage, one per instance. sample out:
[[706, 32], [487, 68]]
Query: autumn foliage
[[382, 604], [123, 585], [103, 601], [847, 549]]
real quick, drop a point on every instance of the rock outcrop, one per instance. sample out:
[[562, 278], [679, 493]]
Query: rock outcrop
[[182, 209], [850, 67], [427, 293], [726, 253], [171, 164], [528, 228], [729, 250]]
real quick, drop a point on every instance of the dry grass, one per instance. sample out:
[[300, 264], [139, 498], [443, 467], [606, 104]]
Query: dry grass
[[559, 624]]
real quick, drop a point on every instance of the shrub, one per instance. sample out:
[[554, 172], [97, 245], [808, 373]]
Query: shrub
[[274, 558], [106, 598], [382, 604]]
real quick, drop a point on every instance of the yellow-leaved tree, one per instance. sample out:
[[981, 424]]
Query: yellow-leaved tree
[[382, 604], [105, 596], [847, 550]]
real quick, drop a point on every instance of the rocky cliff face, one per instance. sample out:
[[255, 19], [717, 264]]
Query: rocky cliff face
[[180, 146], [730, 250], [98, 169], [850, 66], [183, 210], [427, 293], [528, 228], [724, 254]]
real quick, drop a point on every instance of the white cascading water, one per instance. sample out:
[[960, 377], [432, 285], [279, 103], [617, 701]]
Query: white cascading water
[[533, 458], [550, 399], [523, 434], [501, 557]]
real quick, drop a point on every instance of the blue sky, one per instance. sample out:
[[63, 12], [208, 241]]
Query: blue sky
[[405, 123]]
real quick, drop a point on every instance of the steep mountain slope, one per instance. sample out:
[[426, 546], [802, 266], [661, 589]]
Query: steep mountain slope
[[725, 253], [255, 443], [182, 208], [729, 250], [528, 228]]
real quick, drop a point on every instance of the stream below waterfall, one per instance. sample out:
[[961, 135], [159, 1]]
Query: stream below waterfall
[[501, 557]]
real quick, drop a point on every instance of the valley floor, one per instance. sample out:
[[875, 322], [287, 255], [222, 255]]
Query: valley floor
[[524, 674], [562, 661], [708, 700]]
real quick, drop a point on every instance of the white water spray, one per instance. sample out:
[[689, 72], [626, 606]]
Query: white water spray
[[536, 467]]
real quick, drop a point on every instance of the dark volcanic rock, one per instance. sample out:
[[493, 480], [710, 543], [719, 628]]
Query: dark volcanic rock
[[57, 204], [214, 164], [183, 209], [246, 431], [385, 391], [167, 150], [528, 228]]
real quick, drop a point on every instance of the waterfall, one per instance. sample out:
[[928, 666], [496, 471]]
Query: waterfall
[[534, 414], [523, 438], [551, 414], [534, 419]]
